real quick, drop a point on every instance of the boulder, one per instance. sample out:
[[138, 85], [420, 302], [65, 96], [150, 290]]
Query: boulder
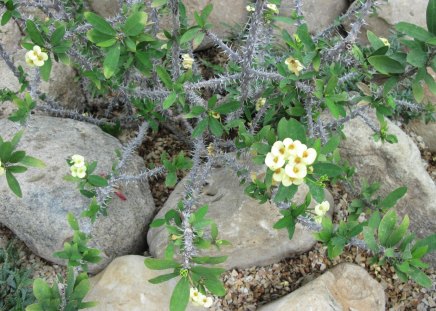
[[124, 285], [61, 86], [39, 218], [319, 14], [426, 130], [393, 165], [390, 13], [227, 14], [344, 287], [241, 220]]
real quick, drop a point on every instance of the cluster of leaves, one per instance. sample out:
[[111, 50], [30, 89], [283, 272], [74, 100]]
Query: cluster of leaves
[[15, 161], [204, 278], [178, 163], [15, 280], [68, 294]]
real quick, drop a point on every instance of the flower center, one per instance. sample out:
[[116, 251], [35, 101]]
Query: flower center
[[282, 150], [296, 169], [298, 160], [305, 154], [277, 171], [276, 159]]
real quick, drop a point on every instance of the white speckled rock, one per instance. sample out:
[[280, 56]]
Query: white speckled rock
[[124, 286], [39, 218], [392, 12], [241, 220], [393, 165], [61, 86], [346, 287]]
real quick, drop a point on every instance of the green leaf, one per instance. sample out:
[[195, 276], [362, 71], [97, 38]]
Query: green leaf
[[228, 107], [414, 31], [215, 127], [393, 198], [163, 278], [111, 60], [171, 179], [316, 191], [41, 290], [160, 264], [72, 221], [99, 23], [34, 33], [33, 162], [17, 169], [97, 181], [329, 169], [385, 65], [418, 91], [16, 139], [398, 234], [332, 107], [209, 260], [215, 286], [13, 184], [170, 100], [97, 37], [285, 194], [375, 41], [417, 57], [81, 289], [189, 35], [158, 3], [157, 223], [180, 297], [57, 35], [5, 151], [291, 129], [431, 16], [164, 76], [107, 43], [6, 18], [368, 235], [135, 24], [17, 156], [386, 226], [420, 277], [45, 70]]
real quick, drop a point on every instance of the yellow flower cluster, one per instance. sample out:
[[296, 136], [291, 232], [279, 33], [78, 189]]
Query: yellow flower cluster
[[36, 57], [187, 61], [294, 65], [78, 169], [320, 210], [199, 299], [260, 103], [2, 169], [289, 160]]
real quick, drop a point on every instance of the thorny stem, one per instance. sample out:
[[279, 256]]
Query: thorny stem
[[174, 7]]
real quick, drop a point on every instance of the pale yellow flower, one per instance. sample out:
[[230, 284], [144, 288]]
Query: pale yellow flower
[[278, 174], [273, 8], [2, 169], [207, 301], [385, 41], [36, 57], [250, 8], [79, 172], [260, 103], [274, 162], [293, 147], [297, 171], [279, 149], [78, 160], [297, 38], [187, 61], [308, 155], [294, 65], [322, 209], [215, 115]]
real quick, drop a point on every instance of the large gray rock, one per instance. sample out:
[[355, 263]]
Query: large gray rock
[[393, 165], [392, 12], [228, 13], [241, 220], [62, 85], [343, 288], [318, 14], [124, 285], [39, 218]]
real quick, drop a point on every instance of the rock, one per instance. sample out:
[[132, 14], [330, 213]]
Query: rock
[[393, 165], [392, 12], [345, 287], [426, 130], [124, 285], [39, 218], [241, 220], [229, 13], [62, 85], [319, 14], [105, 8]]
